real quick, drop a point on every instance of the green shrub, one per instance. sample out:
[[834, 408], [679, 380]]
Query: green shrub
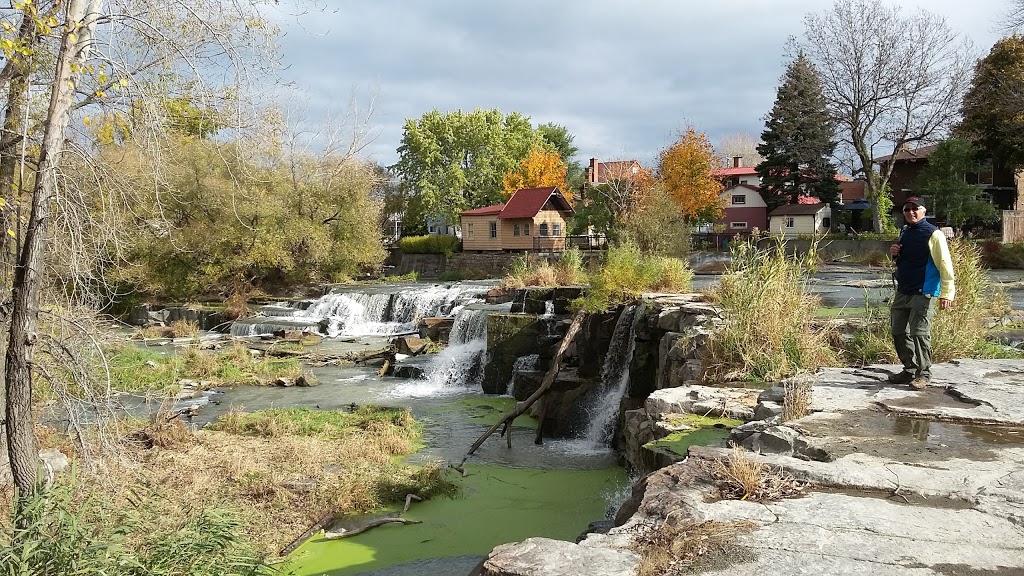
[[430, 244], [767, 335], [999, 255], [627, 273]]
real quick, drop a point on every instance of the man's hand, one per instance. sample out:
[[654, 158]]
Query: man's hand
[[944, 303], [894, 250]]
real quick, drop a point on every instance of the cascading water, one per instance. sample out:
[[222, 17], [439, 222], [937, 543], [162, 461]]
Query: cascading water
[[526, 363], [604, 409], [379, 311], [459, 366]]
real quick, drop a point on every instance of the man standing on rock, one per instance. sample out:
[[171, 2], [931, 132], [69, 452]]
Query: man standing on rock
[[924, 271]]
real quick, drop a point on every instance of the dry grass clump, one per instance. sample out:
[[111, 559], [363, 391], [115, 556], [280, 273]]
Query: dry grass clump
[[677, 548], [796, 401], [184, 329], [276, 484], [768, 333], [164, 430], [740, 477]]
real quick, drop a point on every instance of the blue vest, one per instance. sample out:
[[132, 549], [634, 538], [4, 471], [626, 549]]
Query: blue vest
[[916, 273]]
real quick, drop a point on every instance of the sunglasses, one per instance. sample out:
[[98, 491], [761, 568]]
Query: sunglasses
[[911, 209]]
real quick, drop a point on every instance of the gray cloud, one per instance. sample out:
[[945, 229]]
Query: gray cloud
[[622, 77]]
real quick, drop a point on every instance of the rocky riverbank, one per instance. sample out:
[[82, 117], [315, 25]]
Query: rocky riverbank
[[898, 481]]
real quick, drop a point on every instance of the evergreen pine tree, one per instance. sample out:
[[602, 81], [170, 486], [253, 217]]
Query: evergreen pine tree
[[797, 142]]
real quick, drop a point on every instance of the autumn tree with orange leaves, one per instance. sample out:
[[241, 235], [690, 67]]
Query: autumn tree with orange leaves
[[686, 169], [541, 168]]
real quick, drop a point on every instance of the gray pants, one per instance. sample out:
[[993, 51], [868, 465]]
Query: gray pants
[[911, 318]]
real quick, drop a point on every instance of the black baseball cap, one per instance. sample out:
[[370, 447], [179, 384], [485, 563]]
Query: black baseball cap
[[915, 201]]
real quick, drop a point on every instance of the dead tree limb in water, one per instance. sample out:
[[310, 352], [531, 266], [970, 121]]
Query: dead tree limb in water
[[323, 522], [549, 379], [374, 524]]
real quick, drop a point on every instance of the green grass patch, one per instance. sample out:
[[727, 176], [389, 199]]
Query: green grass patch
[[840, 312], [134, 369], [328, 424]]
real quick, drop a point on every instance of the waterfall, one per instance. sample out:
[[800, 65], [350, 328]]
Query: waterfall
[[604, 410], [526, 363], [458, 367], [378, 311]]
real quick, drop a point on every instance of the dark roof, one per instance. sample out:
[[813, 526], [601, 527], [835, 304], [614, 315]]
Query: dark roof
[[797, 209], [908, 155], [485, 211], [527, 202]]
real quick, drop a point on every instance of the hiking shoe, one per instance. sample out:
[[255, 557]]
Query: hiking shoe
[[919, 383], [903, 377]]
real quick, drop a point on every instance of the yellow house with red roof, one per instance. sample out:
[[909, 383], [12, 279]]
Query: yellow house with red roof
[[532, 219]]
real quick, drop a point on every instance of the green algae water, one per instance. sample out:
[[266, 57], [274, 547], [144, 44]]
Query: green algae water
[[498, 505]]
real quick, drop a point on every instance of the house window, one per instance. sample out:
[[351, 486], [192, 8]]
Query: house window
[[544, 229], [983, 176], [493, 229], [515, 230], [469, 227], [738, 225], [826, 222], [526, 229], [789, 222], [556, 229], [739, 198]]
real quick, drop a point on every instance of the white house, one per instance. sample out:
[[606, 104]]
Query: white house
[[795, 219]]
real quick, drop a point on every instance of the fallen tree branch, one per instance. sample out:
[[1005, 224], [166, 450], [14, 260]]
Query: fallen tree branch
[[408, 500], [522, 407], [380, 522], [325, 520]]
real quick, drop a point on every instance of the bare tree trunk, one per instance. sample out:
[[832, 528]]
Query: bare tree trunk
[[22, 451], [10, 140]]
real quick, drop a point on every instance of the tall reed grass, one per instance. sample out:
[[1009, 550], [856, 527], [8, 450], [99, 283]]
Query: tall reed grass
[[768, 334], [628, 272], [529, 270], [961, 331]]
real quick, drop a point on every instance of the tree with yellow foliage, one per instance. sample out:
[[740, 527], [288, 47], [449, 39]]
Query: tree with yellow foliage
[[686, 169], [541, 168]]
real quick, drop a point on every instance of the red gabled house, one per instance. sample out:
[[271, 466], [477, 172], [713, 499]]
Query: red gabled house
[[532, 219]]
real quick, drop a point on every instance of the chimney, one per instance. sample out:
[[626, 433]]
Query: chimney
[[737, 161], [592, 177]]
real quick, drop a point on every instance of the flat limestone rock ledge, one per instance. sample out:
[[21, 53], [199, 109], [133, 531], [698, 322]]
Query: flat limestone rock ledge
[[547, 557], [903, 482]]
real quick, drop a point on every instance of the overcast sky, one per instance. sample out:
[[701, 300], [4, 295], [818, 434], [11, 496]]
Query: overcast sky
[[623, 77]]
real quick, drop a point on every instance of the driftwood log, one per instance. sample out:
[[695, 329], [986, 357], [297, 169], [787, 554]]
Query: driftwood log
[[545, 385], [328, 518], [323, 522], [374, 524]]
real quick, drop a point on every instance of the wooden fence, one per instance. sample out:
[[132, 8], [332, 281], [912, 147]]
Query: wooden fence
[[1013, 226]]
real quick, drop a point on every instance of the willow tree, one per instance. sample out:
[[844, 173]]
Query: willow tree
[[890, 80], [117, 59]]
